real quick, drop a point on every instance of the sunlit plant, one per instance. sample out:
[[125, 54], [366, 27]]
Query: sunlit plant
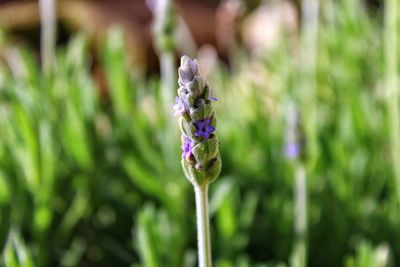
[[201, 161]]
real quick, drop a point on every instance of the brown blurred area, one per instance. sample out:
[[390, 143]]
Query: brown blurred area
[[21, 20], [220, 24]]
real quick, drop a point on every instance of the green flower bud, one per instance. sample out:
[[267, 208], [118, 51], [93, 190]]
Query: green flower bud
[[164, 24]]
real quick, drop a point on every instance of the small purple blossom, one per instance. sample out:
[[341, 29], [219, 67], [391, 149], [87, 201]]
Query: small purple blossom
[[212, 97], [292, 147], [187, 148], [204, 128], [179, 107], [292, 150]]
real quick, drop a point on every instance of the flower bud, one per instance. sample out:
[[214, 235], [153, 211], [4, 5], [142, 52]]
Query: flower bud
[[188, 70]]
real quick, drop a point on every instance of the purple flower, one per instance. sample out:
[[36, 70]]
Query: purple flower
[[292, 150], [187, 148], [204, 128], [292, 147], [212, 97], [179, 107]]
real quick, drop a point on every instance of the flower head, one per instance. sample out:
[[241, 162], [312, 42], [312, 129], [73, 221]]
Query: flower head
[[187, 148], [201, 160], [204, 128], [292, 150]]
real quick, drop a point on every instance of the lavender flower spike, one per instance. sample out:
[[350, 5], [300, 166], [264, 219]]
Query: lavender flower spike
[[197, 123], [201, 161]]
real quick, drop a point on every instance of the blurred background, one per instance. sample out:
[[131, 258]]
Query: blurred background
[[308, 119]]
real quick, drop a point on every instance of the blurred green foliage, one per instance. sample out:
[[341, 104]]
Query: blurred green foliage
[[87, 181]]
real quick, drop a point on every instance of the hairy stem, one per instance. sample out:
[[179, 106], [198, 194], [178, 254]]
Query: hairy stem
[[203, 226]]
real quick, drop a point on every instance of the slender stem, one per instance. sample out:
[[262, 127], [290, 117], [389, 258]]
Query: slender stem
[[308, 65], [300, 195], [47, 32], [168, 80], [203, 226], [392, 87], [167, 68]]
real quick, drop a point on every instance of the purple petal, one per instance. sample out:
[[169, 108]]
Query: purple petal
[[204, 128], [186, 76], [212, 97], [199, 124], [292, 150], [187, 148], [194, 65], [179, 106]]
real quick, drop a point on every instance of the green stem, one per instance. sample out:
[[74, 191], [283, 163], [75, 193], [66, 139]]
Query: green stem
[[47, 33], [203, 226], [167, 69], [300, 195], [308, 65], [168, 80], [391, 86]]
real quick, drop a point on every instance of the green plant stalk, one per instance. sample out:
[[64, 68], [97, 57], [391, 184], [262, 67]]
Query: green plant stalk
[[168, 79], [300, 198], [308, 100], [47, 33], [308, 62], [163, 31], [392, 87], [203, 225]]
